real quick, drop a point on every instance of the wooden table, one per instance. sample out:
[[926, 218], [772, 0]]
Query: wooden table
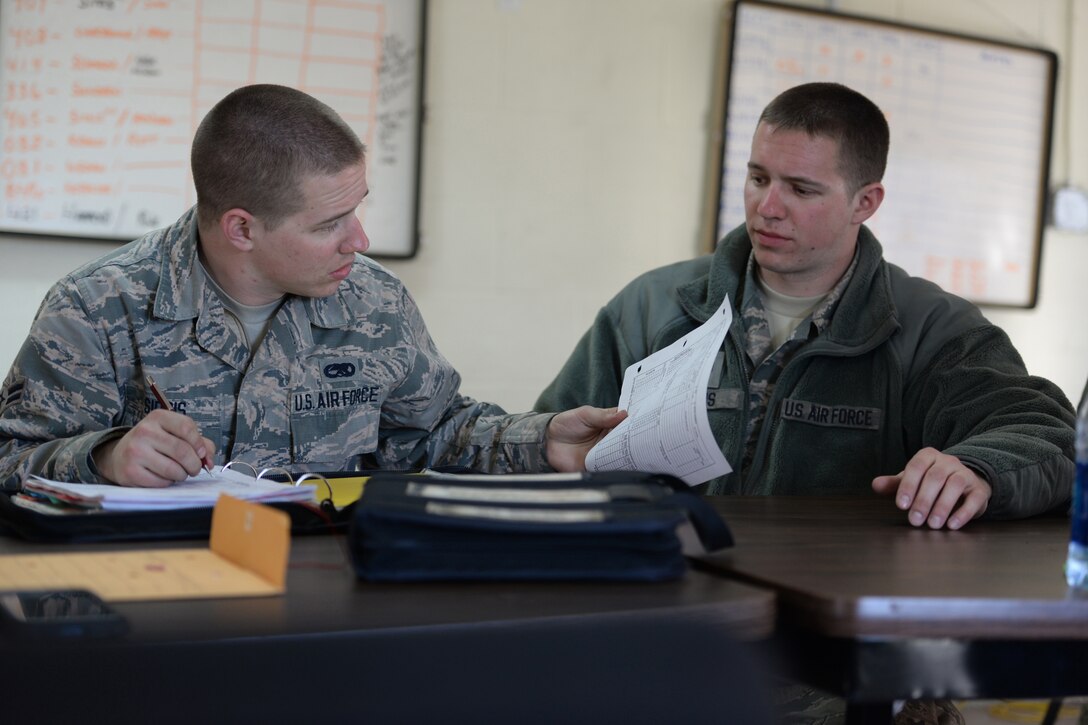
[[334, 648], [877, 610]]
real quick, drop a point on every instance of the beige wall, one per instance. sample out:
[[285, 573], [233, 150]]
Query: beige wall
[[565, 151]]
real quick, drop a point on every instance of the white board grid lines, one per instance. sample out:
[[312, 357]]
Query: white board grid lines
[[101, 99]]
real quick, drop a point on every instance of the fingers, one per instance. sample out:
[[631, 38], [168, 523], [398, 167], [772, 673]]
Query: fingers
[[937, 489], [607, 417], [572, 433], [960, 489], [593, 423], [118, 461], [162, 448], [206, 451], [179, 443], [886, 484], [584, 425]]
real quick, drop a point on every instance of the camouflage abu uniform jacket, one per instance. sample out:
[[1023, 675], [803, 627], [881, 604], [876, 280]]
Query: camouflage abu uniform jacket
[[900, 365], [349, 380]]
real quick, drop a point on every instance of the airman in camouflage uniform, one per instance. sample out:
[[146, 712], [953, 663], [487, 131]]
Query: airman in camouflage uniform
[[342, 374], [338, 382], [767, 362]]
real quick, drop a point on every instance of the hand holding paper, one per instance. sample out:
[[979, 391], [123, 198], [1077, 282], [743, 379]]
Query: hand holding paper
[[573, 433], [667, 429]]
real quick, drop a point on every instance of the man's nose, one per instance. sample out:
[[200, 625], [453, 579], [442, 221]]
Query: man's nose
[[770, 206], [358, 240]]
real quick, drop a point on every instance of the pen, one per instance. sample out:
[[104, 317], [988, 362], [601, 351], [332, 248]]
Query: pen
[[158, 393], [166, 406]]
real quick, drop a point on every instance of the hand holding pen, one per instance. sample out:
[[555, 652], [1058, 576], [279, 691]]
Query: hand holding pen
[[162, 448], [205, 458]]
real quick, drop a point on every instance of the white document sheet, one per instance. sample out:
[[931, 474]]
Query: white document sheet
[[667, 430]]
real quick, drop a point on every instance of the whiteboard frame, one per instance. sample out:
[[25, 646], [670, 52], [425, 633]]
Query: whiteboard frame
[[718, 198], [413, 206]]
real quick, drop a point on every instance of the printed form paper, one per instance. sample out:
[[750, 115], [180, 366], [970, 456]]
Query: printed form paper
[[667, 429]]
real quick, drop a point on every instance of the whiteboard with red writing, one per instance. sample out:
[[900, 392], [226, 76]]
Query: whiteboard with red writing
[[970, 127], [100, 100]]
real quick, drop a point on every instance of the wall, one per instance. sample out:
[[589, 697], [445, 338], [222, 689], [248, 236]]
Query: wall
[[565, 151]]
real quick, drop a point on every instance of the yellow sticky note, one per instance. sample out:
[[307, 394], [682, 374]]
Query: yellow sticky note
[[341, 490]]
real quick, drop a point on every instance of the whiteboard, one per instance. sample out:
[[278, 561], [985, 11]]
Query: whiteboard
[[970, 127], [101, 99]]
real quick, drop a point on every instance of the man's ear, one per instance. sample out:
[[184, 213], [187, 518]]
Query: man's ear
[[237, 226], [866, 201]]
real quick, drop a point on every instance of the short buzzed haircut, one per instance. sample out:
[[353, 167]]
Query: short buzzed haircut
[[255, 146], [834, 111]]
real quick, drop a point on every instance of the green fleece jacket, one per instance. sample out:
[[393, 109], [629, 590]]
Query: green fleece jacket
[[902, 366]]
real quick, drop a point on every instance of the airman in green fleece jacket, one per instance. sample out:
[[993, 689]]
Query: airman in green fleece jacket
[[841, 374]]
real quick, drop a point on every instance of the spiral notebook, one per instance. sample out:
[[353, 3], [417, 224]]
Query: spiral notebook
[[59, 511], [271, 485], [199, 491]]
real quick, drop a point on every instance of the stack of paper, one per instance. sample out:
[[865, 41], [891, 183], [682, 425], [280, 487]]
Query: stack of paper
[[196, 491]]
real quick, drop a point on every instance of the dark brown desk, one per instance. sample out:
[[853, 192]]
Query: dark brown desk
[[339, 650], [876, 610]]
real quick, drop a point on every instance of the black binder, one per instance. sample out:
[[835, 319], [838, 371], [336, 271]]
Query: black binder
[[164, 525], [606, 526]]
